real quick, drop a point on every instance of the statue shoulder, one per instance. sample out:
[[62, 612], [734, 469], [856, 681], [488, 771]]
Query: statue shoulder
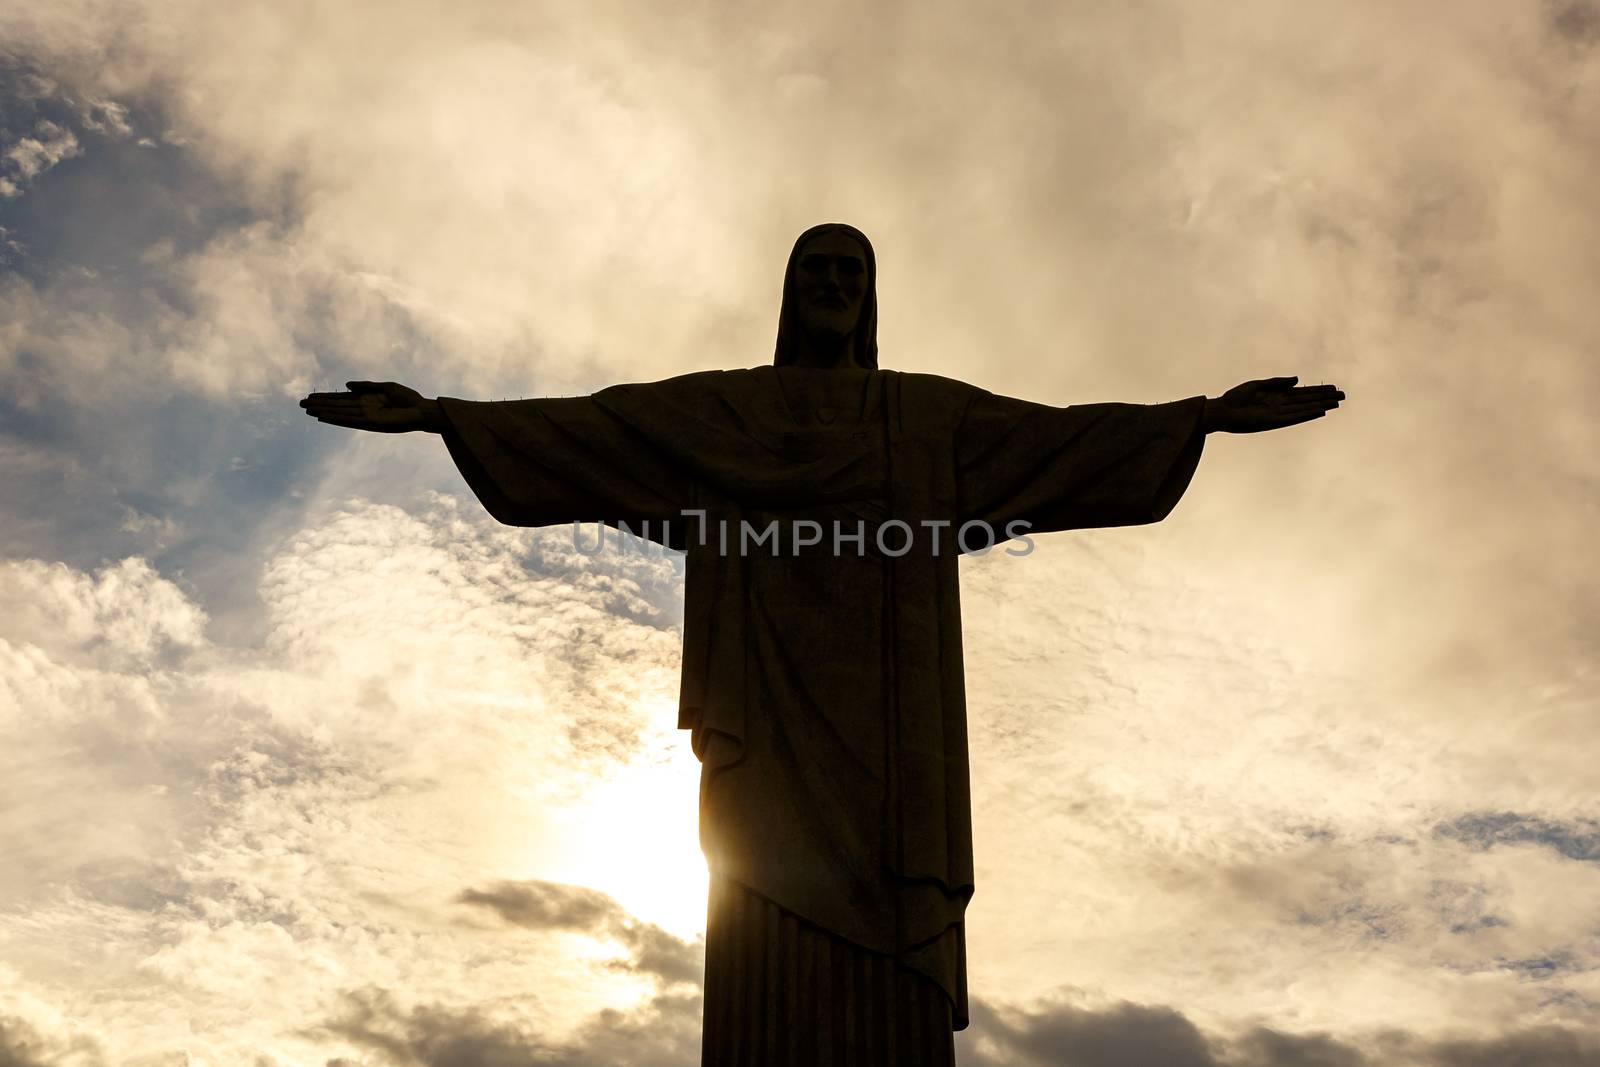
[[679, 388], [937, 390]]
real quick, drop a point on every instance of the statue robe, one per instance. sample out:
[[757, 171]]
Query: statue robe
[[824, 691]]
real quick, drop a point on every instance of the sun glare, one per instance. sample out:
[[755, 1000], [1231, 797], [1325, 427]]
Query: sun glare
[[634, 835]]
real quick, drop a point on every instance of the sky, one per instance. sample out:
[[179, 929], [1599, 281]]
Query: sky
[[310, 762]]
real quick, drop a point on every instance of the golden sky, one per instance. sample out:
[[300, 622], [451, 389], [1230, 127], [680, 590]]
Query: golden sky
[[308, 762]]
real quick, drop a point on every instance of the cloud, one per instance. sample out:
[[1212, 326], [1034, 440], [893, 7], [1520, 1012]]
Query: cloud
[[23, 1045], [124, 614], [1576, 840], [1315, 751], [662, 1031], [544, 905], [1246, 814], [27, 158], [1061, 1034], [663, 1035], [1126, 1035], [1578, 21], [1544, 1046], [250, 831], [549, 906], [435, 1038], [230, 320], [18, 1045], [1265, 1047]]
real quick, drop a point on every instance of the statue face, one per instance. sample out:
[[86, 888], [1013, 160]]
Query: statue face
[[830, 283]]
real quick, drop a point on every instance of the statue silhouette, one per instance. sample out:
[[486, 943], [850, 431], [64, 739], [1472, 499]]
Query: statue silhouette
[[823, 505]]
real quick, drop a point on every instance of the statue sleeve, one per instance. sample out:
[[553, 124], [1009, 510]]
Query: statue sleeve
[[543, 462], [1088, 465]]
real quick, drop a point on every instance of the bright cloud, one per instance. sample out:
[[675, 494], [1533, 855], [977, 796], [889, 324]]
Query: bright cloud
[[259, 834]]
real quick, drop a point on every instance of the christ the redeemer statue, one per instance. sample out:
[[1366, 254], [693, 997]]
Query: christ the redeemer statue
[[822, 677]]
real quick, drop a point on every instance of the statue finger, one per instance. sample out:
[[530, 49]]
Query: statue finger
[[1303, 406], [1312, 398], [351, 423], [332, 409], [1289, 418]]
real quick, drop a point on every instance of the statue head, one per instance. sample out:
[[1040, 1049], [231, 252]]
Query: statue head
[[830, 300]]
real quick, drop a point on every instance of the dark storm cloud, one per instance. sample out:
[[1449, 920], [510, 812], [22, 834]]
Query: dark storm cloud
[[1133, 1035], [18, 1045], [1546, 1046], [436, 1038], [1576, 839], [1577, 21], [663, 1033], [1265, 1047], [23, 1046], [1124, 1035], [539, 905], [546, 905], [669, 958]]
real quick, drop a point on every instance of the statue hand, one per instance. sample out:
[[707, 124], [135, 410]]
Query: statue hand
[[382, 407], [1269, 404]]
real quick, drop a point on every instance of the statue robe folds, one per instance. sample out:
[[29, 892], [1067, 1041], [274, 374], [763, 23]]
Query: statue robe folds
[[823, 685]]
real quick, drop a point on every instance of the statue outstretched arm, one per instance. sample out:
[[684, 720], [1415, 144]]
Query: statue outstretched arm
[[1268, 404], [379, 407], [1077, 467], [531, 462], [1097, 465]]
